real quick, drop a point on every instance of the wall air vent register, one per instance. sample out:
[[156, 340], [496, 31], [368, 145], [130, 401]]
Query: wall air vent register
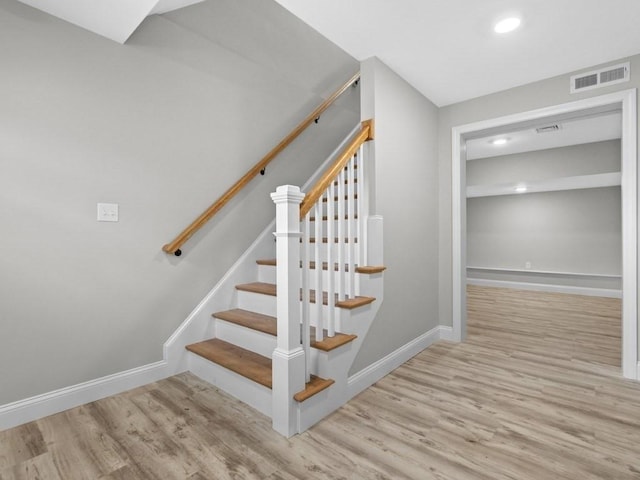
[[600, 78]]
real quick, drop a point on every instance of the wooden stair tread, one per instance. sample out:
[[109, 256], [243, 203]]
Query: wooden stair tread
[[270, 289], [367, 269], [258, 287], [243, 362], [349, 303], [267, 261], [255, 321], [330, 343], [269, 325], [315, 385], [356, 302], [371, 269]]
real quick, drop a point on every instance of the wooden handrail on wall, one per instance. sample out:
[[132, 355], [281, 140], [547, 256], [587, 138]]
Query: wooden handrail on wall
[[187, 233], [310, 199]]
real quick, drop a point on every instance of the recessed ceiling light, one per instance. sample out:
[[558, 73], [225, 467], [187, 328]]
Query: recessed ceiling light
[[521, 188], [507, 25], [499, 141]]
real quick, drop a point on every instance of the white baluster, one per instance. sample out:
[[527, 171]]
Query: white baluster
[[363, 212], [351, 234], [331, 193], [341, 287], [305, 304], [365, 191], [318, 270]]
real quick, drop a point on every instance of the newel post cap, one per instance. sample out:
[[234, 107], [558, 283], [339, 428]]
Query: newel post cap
[[287, 194]]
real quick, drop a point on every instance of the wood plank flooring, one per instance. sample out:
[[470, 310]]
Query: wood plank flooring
[[534, 394]]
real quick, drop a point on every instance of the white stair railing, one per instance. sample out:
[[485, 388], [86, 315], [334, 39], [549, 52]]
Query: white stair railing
[[324, 260]]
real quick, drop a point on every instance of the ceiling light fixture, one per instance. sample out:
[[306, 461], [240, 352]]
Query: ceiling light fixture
[[521, 188], [507, 25], [499, 141]]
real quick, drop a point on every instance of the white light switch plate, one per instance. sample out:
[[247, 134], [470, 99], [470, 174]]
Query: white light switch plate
[[107, 212]]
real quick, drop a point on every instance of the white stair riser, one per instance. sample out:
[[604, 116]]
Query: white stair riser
[[334, 363], [245, 390], [266, 304], [247, 338], [256, 302], [267, 274]]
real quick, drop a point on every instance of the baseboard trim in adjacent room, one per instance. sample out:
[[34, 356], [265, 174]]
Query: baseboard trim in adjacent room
[[39, 406], [377, 370], [543, 287]]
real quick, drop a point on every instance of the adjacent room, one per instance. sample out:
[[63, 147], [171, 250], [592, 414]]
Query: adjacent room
[[544, 232]]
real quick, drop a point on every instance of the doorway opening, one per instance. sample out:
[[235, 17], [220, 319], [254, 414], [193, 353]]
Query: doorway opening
[[623, 102]]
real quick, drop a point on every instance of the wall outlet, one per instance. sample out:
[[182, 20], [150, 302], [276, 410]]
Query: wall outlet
[[527, 265], [107, 212]]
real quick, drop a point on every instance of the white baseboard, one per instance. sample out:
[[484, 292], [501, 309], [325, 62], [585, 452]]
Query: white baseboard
[[30, 409], [543, 287], [638, 372], [368, 376]]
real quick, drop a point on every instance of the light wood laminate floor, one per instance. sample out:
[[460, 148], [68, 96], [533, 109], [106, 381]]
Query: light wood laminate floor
[[535, 393]]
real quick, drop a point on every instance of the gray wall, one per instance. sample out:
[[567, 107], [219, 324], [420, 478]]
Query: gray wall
[[407, 197], [161, 126], [545, 93], [576, 231]]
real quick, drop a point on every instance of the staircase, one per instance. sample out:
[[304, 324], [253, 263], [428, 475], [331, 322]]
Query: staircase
[[285, 341]]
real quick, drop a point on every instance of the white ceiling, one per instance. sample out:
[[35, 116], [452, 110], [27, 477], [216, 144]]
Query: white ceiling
[[447, 48], [113, 19], [575, 131]]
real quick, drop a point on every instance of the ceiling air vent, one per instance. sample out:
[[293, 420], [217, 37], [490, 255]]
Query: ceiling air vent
[[548, 128], [600, 78]]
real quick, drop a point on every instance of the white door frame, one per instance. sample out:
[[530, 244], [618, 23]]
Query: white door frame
[[626, 100]]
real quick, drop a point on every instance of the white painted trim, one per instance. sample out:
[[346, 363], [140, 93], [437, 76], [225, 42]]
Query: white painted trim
[[30, 409], [368, 376], [629, 235], [545, 272], [638, 371], [626, 99], [446, 333], [578, 182], [458, 235], [543, 287]]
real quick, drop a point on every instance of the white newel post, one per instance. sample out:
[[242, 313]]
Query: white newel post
[[288, 357]]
